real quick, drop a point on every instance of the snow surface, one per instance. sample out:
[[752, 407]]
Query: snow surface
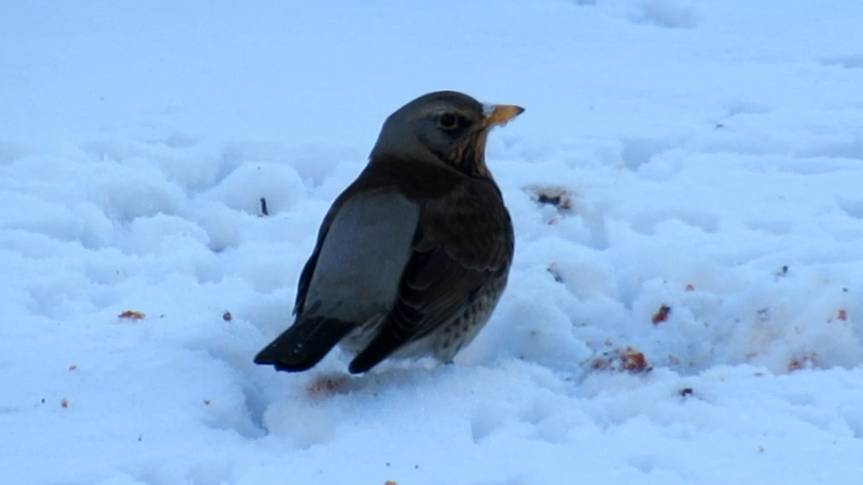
[[706, 157]]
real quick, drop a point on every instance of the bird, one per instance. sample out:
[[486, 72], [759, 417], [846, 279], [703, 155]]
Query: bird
[[413, 256]]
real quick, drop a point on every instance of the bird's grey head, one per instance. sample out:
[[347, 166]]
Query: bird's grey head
[[442, 127]]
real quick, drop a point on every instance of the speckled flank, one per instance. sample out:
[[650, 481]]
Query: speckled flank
[[445, 342], [451, 338]]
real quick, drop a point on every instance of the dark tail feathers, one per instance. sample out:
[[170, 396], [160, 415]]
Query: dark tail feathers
[[304, 344], [384, 344]]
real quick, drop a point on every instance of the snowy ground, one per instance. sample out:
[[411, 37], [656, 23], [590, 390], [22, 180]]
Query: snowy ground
[[689, 312]]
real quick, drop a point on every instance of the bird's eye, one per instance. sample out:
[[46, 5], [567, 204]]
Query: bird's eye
[[450, 121]]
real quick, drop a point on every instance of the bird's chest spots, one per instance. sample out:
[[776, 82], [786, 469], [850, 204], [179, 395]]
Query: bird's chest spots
[[462, 330]]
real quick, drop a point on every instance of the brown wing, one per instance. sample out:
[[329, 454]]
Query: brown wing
[[463, 241]]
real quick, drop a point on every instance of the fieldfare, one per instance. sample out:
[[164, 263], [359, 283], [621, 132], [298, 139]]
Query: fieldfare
[[413, 256]]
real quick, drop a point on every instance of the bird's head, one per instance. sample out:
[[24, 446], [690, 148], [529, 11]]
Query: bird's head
[[443, 127]]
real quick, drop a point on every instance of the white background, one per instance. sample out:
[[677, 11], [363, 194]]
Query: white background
[[711, 154]]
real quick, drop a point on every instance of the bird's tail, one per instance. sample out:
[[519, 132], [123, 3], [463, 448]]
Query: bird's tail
[[382, 346], [304, 344]]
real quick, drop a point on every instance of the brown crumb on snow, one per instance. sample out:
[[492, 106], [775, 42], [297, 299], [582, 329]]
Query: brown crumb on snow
[[629, 360], [131, 315], [633, 361], [327, 384], [554, 195], [806, 360], [661, 314]]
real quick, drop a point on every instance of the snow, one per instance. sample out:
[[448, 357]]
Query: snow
[[706, 157]]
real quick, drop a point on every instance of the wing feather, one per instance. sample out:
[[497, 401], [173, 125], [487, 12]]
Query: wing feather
[[463, 242]]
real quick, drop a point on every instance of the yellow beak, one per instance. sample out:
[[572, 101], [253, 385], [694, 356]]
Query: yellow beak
[[500, 114]]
